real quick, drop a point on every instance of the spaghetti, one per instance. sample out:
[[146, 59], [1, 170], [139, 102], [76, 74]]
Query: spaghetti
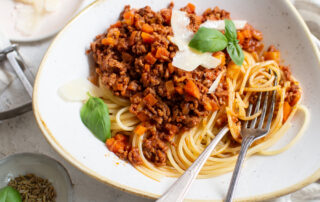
[[158, 123]]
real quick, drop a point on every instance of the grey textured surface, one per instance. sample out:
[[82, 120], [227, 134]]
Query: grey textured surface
[[22, 134]]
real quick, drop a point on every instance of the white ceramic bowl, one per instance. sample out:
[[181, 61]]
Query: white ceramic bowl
[[40, 165], [262, 178]]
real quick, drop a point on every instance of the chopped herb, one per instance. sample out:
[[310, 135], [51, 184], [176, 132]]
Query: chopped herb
[[33, 188]]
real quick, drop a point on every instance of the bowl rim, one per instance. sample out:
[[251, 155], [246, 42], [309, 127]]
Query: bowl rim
[[63, 170], [138, 192]]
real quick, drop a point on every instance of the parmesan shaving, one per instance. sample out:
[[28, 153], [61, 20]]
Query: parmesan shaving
[[77, 90], [220, 25], [216, 82], [186, 58]]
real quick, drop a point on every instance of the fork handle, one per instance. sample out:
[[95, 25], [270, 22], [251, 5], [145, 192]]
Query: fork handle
[[246, 142], [178, 190]]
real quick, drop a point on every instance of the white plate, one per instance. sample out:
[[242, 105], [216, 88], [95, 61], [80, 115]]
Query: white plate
[[48, 24], [262, 178]]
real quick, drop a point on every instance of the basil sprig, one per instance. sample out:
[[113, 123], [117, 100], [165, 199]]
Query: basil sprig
[[211, 40], [9, 194], [95, 116], [208, 40], [234, 50]]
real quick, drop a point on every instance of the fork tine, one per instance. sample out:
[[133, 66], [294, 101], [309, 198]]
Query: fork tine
[[273, 102], [248, 114], [265, 106], [264, 110], [253, 122]]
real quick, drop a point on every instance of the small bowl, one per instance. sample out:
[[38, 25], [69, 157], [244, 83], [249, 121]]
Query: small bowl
[[40, 165]]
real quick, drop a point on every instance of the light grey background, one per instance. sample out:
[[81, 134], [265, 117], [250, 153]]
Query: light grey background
[[22, 134]]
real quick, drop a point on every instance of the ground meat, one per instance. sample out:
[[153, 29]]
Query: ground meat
[[154, 149], [215, 14], [134, 60], [293, 94], [119, 145], [134, 156], [250, 39]]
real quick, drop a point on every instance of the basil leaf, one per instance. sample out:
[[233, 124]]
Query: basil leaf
[[208, 40], [9, 194], [95, 116], [235, 52], [230, 30]]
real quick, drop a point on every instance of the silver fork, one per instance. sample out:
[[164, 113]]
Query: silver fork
[[252, 133]]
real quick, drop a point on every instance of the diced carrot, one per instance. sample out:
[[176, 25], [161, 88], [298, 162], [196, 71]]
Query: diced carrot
[[140, 129], [170, 68], [191, 7], [208, 106], [220, 56], [147, 28], [108, 41], [286, 111], [192, 89], [132, 38], [179, 89], [215, 106], [117, 24], [118, 143], [120, 137], [240, 37], [275, 55], [162, 52], [147, 67], [247, 33], [119, 147], [109, 143], [170, 87], [150, 99], [147, 38], [128, 18], [150, 59], [142, 117]]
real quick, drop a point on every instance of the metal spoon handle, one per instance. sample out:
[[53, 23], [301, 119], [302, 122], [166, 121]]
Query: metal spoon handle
[[246, 142], [178, 190]]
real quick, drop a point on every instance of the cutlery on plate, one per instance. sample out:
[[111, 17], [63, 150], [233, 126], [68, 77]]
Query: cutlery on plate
[[8, 51], [252, 133], [179, 189]]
